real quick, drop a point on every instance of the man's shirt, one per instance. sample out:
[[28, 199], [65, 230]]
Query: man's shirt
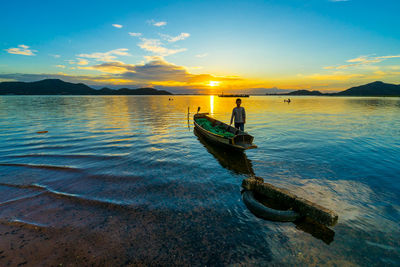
[[239, 114]]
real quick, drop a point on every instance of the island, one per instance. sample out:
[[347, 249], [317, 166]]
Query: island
[[59, 87], [377, 88]]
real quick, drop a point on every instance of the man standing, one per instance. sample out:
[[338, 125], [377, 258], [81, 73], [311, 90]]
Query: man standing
[[239, 114]]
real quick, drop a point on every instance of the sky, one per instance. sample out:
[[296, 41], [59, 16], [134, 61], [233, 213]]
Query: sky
[[203, 46]]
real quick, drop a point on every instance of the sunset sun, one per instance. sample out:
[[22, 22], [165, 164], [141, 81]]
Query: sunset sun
[[213, 83]]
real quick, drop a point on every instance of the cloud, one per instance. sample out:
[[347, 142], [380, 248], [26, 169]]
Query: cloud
[[82, 61], [60, 66], [21, 50], [110, 67], [107, 56], [55, 56], [157, 71], [135, 34], [173, 39], [194, 68], [380, 74], [152, 58], [202, 55], [358, 59], [336, 76], [78, 61], [362, 60], [394, 67], [119, 26], [157, 23], [155, 46]]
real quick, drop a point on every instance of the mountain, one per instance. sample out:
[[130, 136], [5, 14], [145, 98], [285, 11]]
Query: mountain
[[59, 87], [372, 89], [304, 92], [44, 87]]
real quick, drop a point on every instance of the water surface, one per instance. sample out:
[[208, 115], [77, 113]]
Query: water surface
[[121, 180]]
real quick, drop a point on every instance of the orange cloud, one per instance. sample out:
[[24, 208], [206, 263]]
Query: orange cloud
[[158, 70]]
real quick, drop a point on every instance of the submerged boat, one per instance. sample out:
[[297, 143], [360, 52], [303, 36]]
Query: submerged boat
[[221, 133]]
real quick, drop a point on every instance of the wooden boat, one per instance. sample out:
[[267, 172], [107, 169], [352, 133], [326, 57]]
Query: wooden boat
[[240, 140]]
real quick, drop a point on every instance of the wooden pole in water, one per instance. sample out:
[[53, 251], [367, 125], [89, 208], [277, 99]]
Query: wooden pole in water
[[188, 119], [302, 206]]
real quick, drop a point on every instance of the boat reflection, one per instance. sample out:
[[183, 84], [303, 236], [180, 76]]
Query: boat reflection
[[235, 161]]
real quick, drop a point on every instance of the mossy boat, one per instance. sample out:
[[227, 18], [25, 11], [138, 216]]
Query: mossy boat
[[221, 133]]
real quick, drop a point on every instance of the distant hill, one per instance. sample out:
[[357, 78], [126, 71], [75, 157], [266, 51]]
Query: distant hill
[[304, 92], [59, 87], [371, 89]]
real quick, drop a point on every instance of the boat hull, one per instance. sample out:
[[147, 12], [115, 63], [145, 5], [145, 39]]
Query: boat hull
[[241, 141]]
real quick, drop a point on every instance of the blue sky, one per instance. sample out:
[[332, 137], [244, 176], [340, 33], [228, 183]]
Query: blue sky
[[202, 45]]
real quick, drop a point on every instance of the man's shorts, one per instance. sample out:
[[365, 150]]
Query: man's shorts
[[239, 125]]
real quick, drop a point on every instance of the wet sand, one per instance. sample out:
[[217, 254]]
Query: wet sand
[[100, 234]]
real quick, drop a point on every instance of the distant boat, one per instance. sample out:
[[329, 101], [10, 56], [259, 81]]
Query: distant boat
[[233, 95], [221, 133]]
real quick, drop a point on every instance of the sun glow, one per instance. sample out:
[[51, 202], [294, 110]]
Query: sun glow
[[213, 83]]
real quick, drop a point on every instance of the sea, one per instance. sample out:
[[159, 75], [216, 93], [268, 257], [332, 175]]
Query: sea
[[126, 181]]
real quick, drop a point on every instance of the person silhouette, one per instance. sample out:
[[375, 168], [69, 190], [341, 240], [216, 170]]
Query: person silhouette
[[239, 114]]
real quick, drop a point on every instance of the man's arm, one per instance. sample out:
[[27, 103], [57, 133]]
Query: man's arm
[[244, 116], [233, 115]]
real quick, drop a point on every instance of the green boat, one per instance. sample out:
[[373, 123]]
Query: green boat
[[222, 133]]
